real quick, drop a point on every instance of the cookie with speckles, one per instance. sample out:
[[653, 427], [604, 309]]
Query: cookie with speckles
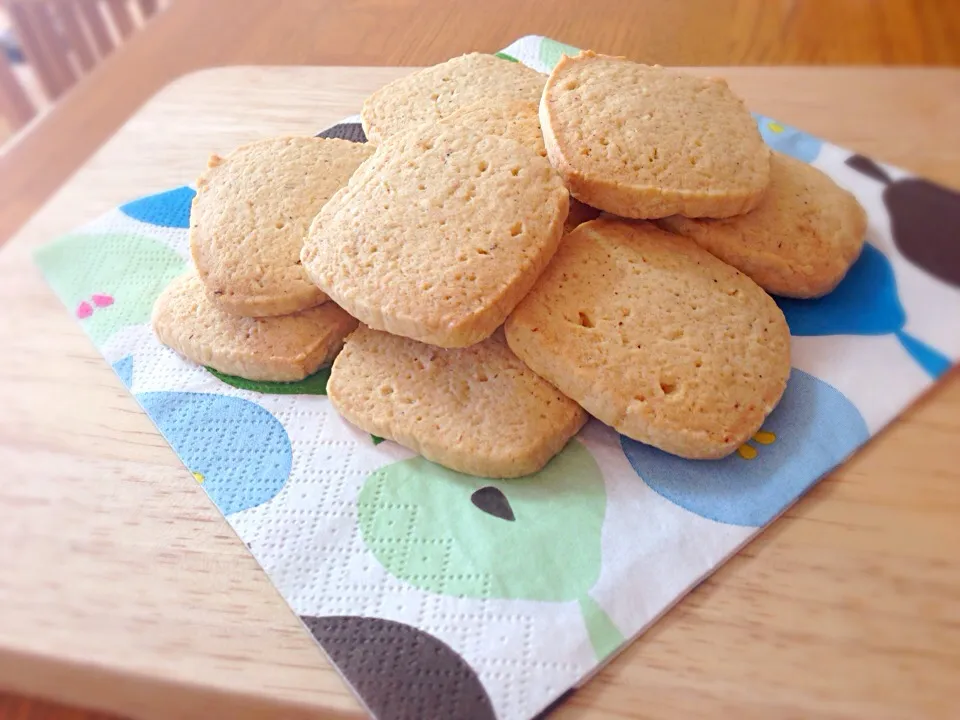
[[801, 239], [655, 336], [478, 410], [439, 234], [278, 349], [517, 120], [435, 92], [654, 142], [251, 212]]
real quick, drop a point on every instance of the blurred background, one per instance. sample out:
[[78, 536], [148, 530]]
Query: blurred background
[[49, 45]]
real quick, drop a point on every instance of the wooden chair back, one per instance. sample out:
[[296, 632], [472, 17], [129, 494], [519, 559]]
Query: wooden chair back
[[62, 40], [16, 107]]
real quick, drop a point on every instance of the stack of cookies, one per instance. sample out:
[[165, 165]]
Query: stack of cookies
[[247, 308], [519, 251]]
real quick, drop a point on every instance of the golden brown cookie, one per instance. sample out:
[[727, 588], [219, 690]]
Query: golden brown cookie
[[251, 212], [478, 410], [514, 119], [279, 349], [438, 235], [647, 142], [656, 337], [517, 120], [435, 92], [798, 242]]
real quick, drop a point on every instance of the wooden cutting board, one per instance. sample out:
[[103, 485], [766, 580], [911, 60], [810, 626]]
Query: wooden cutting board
[[122, 588]]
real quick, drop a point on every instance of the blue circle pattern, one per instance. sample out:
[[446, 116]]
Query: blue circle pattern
[[124, 370], [241, 451], [864, 303], [788, 140], [816, 428], [167, 209]]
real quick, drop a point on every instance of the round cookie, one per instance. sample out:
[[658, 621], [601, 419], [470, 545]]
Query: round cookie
[[478, 410], [438, 235], [655, 336], [798, 242], [435, 92], [517, 120], [514, 119], [655, 142], [278, 349], [251, 212]]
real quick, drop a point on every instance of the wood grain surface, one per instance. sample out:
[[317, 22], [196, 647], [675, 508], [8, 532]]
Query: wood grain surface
[[194, 34], [128, 592]]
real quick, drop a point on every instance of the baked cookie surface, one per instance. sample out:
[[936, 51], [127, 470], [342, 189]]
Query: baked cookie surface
[[801, 239], [251, 212], [656, 337], [646, 142], [438, 235], [517, 120], [478, 410], [435, 92], [278, 349]]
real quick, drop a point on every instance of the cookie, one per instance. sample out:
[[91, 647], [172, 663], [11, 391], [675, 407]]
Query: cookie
[[433, 93], [654, 142], [655, 336], [798, 242], [438, 235], [478, 410], [279, 349], [517, 120], [251, 212]]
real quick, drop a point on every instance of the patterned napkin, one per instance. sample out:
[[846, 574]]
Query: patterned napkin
[[439, 594]]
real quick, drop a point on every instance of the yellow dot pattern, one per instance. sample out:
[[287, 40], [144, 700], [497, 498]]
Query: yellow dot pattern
[[747, 452], [763, 437]]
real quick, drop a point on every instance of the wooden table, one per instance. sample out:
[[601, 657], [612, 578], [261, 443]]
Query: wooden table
[[836, 631]]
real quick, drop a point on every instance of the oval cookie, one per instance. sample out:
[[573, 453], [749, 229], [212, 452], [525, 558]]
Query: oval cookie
[[517, 120], [478, 410], [438, 235], [653, 335], [278, 349], [435, 92], [251, 212], [799, 241], [655, 142]]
